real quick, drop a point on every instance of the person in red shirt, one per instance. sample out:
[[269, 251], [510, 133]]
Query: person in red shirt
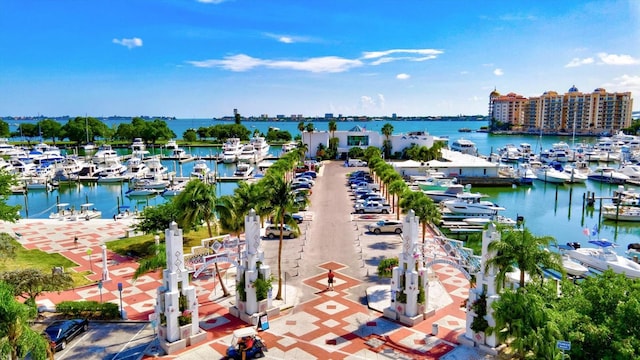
[[330, 277]]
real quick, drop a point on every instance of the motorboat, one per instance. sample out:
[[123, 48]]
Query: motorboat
[[105, 154], [243, 170], [179, 154], [572, 267], [112, 172], [632, 171], [510, 153], [136, 168], [200, 169], [434, 183], [87, 212], [69, 169], [548, 174], [289, 146], [575, 175], [621, 212], [608, 175], [248, 154], [261, 146], [482, 221], [171, 145], [467, 203], [61, 213], [449, 193], [230, 150], [138, 148], [156, 168], [464, 146], [38, 183], [525, 174], [604, 257]]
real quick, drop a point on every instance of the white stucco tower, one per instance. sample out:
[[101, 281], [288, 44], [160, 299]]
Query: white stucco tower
[[249, 303], [408, 280], [177, 299], [483, 295]]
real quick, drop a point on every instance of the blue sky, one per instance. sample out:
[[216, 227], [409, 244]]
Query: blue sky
[[203, 58]]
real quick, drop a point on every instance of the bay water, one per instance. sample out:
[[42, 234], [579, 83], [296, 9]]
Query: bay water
[[548, 209]]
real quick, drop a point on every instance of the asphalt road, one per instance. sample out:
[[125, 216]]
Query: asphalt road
[[112, 341], [328, 234]]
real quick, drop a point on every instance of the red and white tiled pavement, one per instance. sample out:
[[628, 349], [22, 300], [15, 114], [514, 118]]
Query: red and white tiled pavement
[[330, 326]]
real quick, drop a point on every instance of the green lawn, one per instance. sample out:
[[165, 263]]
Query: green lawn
[[39, 259]]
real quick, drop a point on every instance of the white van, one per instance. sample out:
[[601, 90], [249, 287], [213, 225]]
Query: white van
[[356, 163]]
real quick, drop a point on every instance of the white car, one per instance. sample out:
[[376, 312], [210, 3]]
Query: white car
[[302, 180], [375, 198], [372, 207]]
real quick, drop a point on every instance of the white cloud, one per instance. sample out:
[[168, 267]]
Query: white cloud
[[431, 53], [369, 103], [241, 62], [575, 62], [130, 43], [325, 64], [498, 72], [624, 83], [613, 59], [288, 39], [403, 76]]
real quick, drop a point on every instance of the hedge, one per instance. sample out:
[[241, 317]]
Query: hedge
[[89, 309]]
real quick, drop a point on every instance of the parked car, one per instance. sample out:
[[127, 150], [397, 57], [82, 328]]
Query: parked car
[[300, 185], [310, 173], [390, 226], [372, 198], [302, 180], [372, 207], [63, 331], [273, 231]]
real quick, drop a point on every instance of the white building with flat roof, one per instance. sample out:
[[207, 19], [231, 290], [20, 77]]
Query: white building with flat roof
[[363, 138]]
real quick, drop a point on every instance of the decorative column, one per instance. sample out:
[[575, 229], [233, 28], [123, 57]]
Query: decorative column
[[250, 268], [483, 295], [407, 279], [172, 336], [105, 264]]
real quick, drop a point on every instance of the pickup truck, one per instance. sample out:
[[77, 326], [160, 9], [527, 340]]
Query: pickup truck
[[372, 207]]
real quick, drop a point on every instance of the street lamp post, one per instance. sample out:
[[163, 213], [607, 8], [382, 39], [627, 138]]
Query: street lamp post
[[100, 288], [121, 309]]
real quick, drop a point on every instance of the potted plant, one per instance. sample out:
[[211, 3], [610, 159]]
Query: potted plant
[[479, 307]]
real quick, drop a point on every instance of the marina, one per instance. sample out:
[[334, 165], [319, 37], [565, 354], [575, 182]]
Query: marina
[[558, 210]]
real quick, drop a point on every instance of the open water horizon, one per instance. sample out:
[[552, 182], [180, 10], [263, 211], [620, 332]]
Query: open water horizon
[[548, 209]]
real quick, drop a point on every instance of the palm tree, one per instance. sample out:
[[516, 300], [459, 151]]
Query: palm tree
[[283, 202], [387, 130], [333, 126], [396, 188], [197, 202], [310, 129], [424, 208], [526, 251]]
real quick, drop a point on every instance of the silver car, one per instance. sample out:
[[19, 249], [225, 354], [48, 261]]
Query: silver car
[[388, 226]]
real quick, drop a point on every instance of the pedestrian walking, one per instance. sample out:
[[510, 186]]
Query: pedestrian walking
[[75, 241], [330, 277]]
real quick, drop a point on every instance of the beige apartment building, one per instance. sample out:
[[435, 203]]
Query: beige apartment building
[[573, 111]]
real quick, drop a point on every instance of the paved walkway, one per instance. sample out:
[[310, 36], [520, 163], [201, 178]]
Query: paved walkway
[[316, 324]]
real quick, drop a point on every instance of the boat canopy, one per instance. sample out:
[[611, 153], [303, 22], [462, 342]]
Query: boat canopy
[[602, 243]]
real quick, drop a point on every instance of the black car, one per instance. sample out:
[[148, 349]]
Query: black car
[[62, 331]]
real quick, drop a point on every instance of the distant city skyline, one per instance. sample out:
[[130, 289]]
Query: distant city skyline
[[204, 58]]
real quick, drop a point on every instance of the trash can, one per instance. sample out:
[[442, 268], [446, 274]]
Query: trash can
[[434, 329]]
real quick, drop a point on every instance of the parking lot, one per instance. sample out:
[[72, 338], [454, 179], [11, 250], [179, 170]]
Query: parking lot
[[119, 340]]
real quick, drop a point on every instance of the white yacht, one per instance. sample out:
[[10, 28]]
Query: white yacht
[[632, 171], [243, 170], [472, 204], [171, 145], [262, 147], [548, 174], [200, 169], [136, 168], [449, 193], [608, 174], [69, 168], [286, 147], [464, 146], [230, 150], [604, 257], [112, 171], [155, 167], [104, 154], [138, 148], [248, 154], [575, 175]]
